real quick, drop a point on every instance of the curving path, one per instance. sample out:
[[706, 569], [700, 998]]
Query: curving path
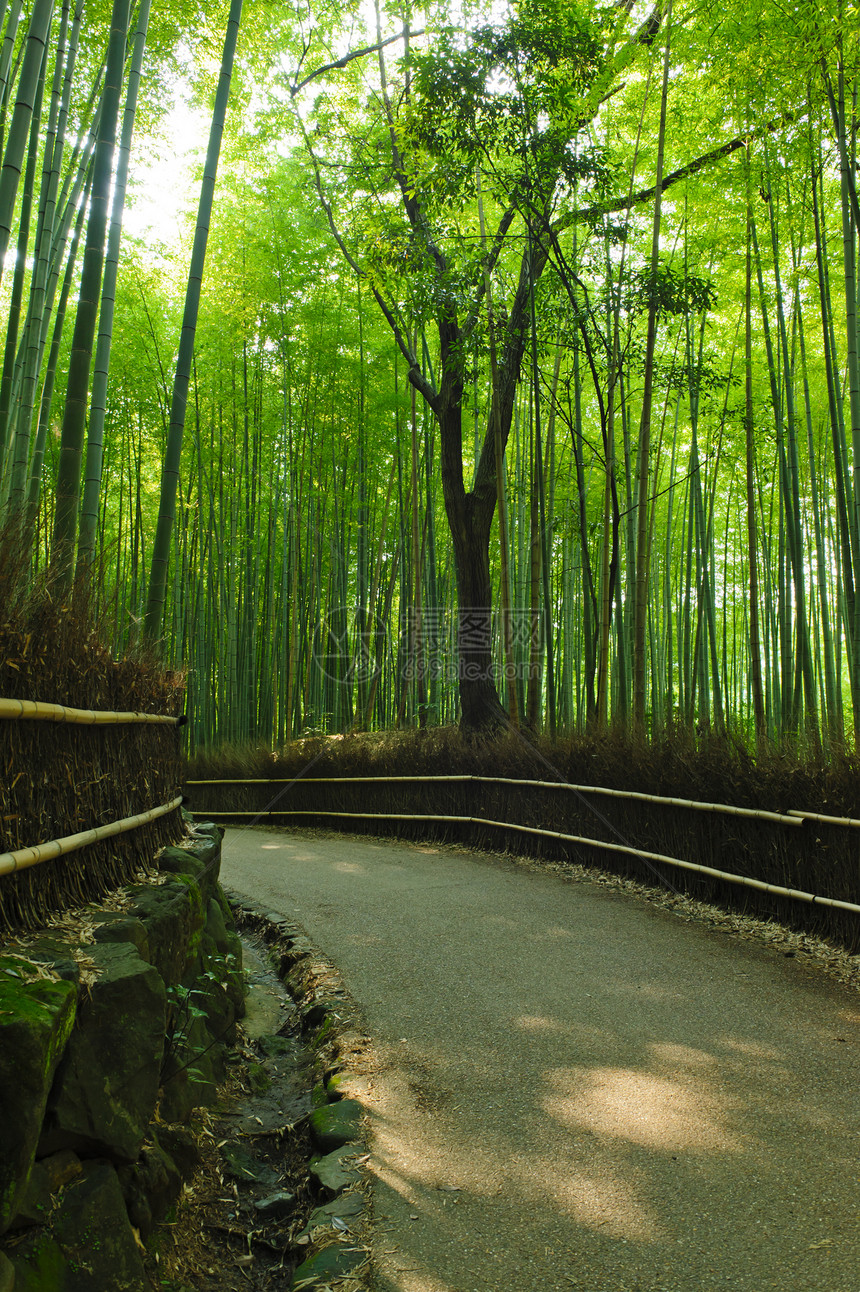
[[572, 1088]]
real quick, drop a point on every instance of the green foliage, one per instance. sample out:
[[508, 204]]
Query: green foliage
[[508, 98], [297, 509], [671, 292]]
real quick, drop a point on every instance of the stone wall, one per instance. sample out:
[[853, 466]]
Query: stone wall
[[113, 1027]]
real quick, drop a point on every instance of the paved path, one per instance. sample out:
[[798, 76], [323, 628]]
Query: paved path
[[574, 1089]]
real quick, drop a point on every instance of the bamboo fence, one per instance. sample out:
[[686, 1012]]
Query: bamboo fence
[[78, 779], [775, 859]]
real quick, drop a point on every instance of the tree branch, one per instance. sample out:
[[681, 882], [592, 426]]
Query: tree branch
[[489, 261], [416, 376], [692, 168], [348, 58]]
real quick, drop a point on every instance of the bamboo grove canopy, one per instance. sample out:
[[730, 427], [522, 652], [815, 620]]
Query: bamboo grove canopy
[[500, 362]]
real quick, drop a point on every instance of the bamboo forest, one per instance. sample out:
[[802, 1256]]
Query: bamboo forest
[[388, 364]]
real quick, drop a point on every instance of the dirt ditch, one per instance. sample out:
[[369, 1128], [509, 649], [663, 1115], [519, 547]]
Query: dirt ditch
[[279, 1198]]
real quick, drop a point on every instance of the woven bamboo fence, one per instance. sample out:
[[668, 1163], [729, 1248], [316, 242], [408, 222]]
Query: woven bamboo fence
[[772, 863], [87, 797], [108, 755]]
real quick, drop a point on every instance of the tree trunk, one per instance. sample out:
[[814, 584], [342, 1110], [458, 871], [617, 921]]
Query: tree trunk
[[480, 706], [469, 517]]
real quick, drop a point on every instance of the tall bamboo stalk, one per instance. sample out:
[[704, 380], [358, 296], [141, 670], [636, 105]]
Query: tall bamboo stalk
[[173, 450]]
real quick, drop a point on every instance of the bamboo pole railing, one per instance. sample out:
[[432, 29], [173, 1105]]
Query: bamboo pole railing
[[727, 876], [780, 818], [824, 819], [36, 709], [25, 857]]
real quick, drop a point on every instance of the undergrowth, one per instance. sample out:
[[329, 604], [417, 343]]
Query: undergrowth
[[678, 764]]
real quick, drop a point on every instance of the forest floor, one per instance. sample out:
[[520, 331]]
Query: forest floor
[[575, 1084]]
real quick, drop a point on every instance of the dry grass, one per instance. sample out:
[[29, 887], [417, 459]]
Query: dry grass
[[56, 780]]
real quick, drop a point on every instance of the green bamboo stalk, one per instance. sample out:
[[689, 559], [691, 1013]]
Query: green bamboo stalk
[[38, 455], [750, 475], [510, 668], [29, 82], [790, 476], [640, 601], [98, 400], [6, 52], [41, 298], [77, 389], [541, 494], [852, 321], [173, 451], [848, 545], [17, 451], [831, 698]]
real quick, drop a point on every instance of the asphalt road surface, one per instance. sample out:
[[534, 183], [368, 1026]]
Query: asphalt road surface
[[572, 1088]]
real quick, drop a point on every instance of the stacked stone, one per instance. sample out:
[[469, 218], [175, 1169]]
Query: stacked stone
[[89, 1058]]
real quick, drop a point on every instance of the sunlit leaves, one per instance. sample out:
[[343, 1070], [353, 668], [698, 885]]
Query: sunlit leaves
[[508, 89]]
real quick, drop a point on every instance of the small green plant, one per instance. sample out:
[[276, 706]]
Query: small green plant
[[183, 1011]]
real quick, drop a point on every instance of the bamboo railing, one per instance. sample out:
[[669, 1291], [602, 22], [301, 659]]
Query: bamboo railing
[[781, 818], [792, 818], [22, 858], [34, 710]]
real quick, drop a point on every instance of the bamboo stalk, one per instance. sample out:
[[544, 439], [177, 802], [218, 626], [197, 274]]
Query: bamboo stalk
[[154, 617], [24, 857], [81, 717]]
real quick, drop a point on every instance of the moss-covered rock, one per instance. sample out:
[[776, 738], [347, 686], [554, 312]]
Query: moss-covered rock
[[173, 915], [181, 1146], [106, 1086], [36, 1018], [331, 1262], [89, 1244], [56, 955], [336, 1124], [46, 1179], [115, 926], [199, 855], [150, 1187], [92, 1088], [216, 926], [337, 1170]]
